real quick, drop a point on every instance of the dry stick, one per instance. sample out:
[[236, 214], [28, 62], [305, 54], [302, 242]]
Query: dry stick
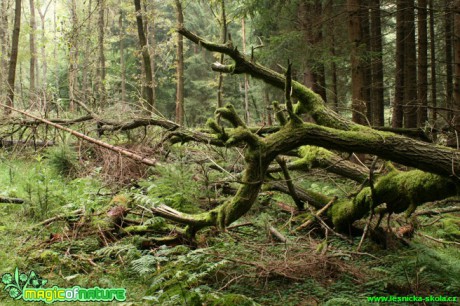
[[317, 215], [439, 240], [144, 160], [371, 213], [277, 234], [77, 212], [282, 162]]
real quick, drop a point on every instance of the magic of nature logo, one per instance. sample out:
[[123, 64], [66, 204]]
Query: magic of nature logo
[[30, 287]]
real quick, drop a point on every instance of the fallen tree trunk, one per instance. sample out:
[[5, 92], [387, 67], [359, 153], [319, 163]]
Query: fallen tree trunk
[[142, 159], [401, 191], [11, 200], [37, 143]]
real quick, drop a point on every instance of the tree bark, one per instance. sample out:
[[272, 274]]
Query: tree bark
[[246, 80], [422, 66], [433, 78], [33, 55], [122, 55], [410, 67], [398, 114], [101, 72], [358, 73], [448, 52], [3, 46], [377, 89], [145, 57], [73, 55], [14, 56], [456, 101], [180, 67], [223, 36]]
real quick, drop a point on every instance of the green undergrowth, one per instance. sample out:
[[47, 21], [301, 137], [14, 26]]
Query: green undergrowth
[[245, 265]]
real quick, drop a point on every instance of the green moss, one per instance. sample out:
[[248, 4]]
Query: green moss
[[450, 228], [310, 157], [212, 299], [401, 191]]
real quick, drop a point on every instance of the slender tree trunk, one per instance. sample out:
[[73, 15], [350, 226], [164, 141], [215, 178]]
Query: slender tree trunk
[[4, 45], [102, 96], [268, 107], [86, 67], [456, 101], [410, 68], [73, 55], [145, 56], [448, 37], [366, 54], [122, 56], [223, 35], [33, 55], [152, 52], [377, 89], [433, 79], [14, 56], [180, 67], [422, 66], [43, 45], [358, 72], [246, 80], [397, 118]]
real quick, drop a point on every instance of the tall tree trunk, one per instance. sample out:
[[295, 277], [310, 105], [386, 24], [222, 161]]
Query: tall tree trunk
[[366, 54], [4, 45], [180, 67], [14, 56], [86, 67], [410, 68], [456, 101], [358, 72], [448, 37], [422, 66], [145, 56], [73, 55], [43, 45], [122, 56], [223, 35], [33, 55], [397, 117], [152, 52], [377, 97], [310, 14], [101, 92], [268, 107], [246, 80], [433, 79]]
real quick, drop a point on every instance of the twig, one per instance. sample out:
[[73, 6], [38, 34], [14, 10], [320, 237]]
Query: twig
[[144, 160], [439, 240], [317, 215], [275, 233], [77, 212], [240, 225]]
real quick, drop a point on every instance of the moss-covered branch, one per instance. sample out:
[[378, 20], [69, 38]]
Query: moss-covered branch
[[317, 157]]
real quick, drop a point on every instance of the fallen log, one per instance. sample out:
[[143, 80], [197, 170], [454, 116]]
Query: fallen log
[[144, 160], [11, 200]]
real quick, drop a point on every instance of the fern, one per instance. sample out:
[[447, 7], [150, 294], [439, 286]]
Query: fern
[[129, 251]]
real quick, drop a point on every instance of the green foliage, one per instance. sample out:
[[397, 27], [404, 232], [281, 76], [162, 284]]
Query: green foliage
[[340, 302], [174, 186], [178, 274], [63, 159]]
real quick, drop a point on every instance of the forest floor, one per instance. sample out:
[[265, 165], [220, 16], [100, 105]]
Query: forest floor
[[244, 265]]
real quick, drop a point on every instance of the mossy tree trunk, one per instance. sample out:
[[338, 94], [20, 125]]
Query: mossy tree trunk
[[401, 191]]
